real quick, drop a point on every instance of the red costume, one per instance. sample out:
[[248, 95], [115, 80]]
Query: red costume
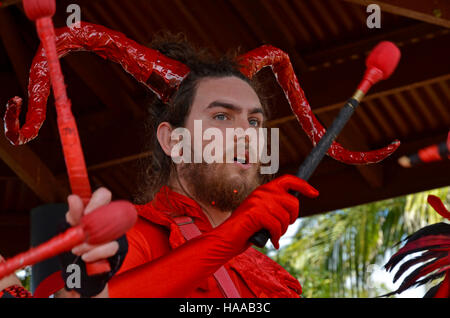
[[15, 291], [158, 263], [157, 234]]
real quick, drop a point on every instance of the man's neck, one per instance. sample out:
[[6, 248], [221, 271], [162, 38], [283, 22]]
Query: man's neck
[[214, 215]]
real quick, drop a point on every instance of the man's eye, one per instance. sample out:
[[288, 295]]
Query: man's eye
[[220, 117], [254, 122]]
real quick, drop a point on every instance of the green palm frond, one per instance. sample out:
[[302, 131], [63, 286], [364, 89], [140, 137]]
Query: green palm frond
[[331, 253]]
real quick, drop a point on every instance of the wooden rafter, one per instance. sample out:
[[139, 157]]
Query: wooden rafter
[[352, 139], [426, 74], [103, 83], [18, 52], [32, 171], [397, 181], [101, 80], [7, 3], [369, 97], [434, 12]]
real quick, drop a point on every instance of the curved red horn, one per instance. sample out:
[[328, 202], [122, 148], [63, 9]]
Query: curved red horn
[[266, 55], [159, 73], [438, 206]]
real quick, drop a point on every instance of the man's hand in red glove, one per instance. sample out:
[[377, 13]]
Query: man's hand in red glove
[[269, 207]]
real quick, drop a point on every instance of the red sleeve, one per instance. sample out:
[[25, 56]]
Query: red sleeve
[[146, 241]]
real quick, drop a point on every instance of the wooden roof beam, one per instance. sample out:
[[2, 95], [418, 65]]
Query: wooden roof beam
[[398, 181], [102, 80], [393, 91], [105, 85], [428, 56], [17, 50], [32, 171], [373, 173], [7, 3], [434, 12]]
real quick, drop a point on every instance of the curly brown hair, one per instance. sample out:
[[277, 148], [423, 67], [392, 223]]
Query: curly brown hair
[[156, 169]]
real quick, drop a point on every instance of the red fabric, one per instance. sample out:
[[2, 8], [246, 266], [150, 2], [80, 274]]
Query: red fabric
[[160, 263], [16, 291], [438, 206], [444, 289], [226, 285], [49, 285]]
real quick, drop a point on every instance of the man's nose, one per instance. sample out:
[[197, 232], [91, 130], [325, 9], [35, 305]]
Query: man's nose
[[242, 122], [243, 138], [244, 125]]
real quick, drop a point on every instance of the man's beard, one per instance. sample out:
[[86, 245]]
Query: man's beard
[[212, 184]]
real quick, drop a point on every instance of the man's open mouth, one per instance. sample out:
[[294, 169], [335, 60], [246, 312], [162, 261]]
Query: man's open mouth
[[243, 162]]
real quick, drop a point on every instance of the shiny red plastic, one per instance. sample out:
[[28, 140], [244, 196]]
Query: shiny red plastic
[[159, 73], [438, 206], [279, 61], [58, 244], [104, 224], [163, 75]]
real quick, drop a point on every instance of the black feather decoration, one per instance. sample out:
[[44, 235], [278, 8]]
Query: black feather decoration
[[434, 243], [419, 259], [433, 229]]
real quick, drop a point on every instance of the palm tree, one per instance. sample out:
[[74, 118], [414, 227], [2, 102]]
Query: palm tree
[[332, 254]]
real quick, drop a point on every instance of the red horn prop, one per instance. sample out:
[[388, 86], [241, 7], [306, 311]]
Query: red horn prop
[[163, 76], [438, 206], [159, 73], [253, 61]]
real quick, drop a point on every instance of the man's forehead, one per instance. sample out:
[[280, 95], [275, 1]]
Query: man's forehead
[[227, 91]]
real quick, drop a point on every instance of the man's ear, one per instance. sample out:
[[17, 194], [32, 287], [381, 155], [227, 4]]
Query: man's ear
[[163, 133]]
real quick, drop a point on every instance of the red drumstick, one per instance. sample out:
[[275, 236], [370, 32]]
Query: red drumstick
[[42, 11], [380, 63], [102, 225]]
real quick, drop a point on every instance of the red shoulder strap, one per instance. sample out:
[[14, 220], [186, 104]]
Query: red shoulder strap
[[223, 279]]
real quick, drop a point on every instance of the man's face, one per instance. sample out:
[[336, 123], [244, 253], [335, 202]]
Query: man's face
[[222, 103]]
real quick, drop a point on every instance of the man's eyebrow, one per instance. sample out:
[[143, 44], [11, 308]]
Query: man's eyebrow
[[234, 107], [256, 110]]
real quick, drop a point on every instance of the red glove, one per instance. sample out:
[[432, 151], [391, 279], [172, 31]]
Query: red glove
[[270, 206]]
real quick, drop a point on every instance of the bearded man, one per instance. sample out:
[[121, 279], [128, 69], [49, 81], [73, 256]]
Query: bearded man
[[192, 235]]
